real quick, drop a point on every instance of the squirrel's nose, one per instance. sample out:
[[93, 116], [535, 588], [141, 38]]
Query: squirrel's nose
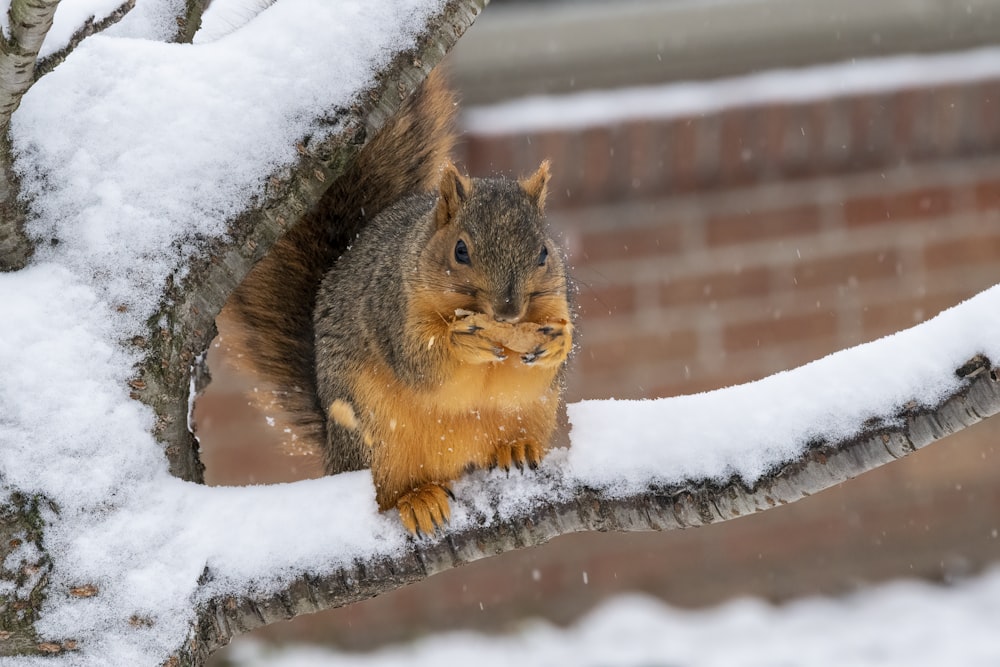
[[508, 310]]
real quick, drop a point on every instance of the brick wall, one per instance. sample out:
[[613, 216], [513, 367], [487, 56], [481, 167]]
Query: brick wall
[[713, 250]]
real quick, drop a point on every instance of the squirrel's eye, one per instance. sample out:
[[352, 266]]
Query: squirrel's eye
[[462, 253], [542, 256]]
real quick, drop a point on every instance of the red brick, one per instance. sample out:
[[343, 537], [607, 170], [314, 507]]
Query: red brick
[[773, 120], [758, 225], [905, 105], [777, 332], [871, 135], [962, 252], [487, 154], [842, 270], [606, 301], [972, 131], [988, 195], [835, 149], [557, 147], [923, 204], [791, 140], [636, 351], [986, 99], [629, 243], [816, 125], [883, 319], [644, 157], [620, 162], [945, 108], [597, 146], [683, 146], [716, 287], [736, 151]]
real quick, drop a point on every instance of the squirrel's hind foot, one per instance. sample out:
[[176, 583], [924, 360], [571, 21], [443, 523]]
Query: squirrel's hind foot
[[518, 454], [425, 508]]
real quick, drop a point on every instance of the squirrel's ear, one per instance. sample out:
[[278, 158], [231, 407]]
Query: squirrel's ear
[[537, 185], [453, 190]]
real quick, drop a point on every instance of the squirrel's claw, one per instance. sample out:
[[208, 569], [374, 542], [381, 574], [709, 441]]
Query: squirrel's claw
[[425, 508], [532, 356], [474, 346], [517, 454]]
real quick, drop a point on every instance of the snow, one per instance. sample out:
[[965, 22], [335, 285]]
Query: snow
[[70, 16], [903, 624], [224, 16], [746, 430], [142, 149], [149, 19], [592, 108]]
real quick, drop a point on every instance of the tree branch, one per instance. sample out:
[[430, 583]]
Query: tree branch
[[30, 21], [821, 466], [189, 308], [25, 567], [190, 22], [90, 27], [15, 247]]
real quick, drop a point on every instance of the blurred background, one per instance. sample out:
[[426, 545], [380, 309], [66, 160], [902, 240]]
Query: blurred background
[[742, 186]]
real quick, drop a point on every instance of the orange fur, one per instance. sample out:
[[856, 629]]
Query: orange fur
[[479, 412]]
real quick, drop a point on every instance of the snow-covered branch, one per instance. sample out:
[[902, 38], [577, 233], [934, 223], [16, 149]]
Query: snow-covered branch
[[91, 26], [560, 500]]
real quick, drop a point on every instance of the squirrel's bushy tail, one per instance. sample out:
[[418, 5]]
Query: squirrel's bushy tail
[[267, 325]]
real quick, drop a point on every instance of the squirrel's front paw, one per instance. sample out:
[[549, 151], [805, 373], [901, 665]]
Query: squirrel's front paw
[[470, 340], [518, 454], [425, 508], [555, 342]]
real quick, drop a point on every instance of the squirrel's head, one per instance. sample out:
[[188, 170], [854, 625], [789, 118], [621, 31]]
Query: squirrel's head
[[491, 249]]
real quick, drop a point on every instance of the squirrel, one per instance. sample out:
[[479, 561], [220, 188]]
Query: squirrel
[[416, 322]]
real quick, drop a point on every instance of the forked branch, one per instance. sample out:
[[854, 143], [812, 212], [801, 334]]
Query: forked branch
[[90, 27]]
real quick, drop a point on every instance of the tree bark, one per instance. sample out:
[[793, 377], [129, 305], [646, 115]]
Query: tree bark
[[24, 566], [15, 247], [188, 24], [29, 21]]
